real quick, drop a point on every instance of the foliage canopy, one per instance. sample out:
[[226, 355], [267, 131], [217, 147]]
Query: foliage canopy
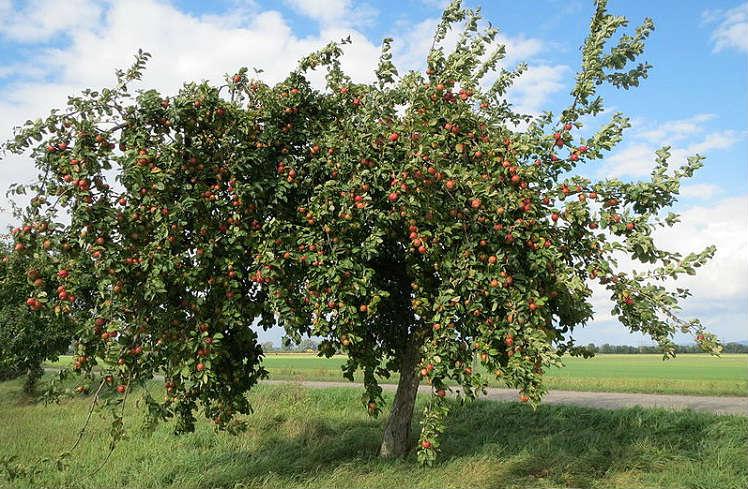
[[416, 216]]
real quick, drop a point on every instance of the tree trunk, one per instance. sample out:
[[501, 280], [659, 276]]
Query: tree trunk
[[33, 374], [397, 429]]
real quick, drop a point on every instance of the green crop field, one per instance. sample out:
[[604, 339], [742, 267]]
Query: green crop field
[[695, 374], [323, 438]]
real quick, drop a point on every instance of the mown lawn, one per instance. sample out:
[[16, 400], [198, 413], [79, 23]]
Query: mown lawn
[[323, 438], [694, 374]]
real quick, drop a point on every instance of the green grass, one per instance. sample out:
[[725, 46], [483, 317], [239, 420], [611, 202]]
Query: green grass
[[323, 438], [693, 374]]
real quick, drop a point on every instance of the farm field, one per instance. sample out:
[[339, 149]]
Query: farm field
[[323, 438], [695, 374]]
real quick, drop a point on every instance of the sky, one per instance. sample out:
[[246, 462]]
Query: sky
[[695, 98]]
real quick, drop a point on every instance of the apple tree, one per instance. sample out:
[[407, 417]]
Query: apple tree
[[415, 223], [26, 338]]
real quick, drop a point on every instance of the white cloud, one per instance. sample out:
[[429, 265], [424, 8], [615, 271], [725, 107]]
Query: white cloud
[[716, 140], [25, 70], [410, 49], [719, 289], [334, 12], [677, 130], [638, 159], [634, 160], [437, 4], [184, 48], [413, 42], [699, 190], [724, 224], [530, 91], [41, 20], [732, 30]]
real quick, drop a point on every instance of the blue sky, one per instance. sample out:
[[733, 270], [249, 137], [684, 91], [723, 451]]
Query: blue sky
[[695, 98]]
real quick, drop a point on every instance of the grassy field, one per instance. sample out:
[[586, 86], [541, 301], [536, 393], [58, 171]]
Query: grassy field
[[323, 438], [686, 374]]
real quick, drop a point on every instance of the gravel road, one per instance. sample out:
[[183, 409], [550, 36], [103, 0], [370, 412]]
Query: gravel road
[[606, 400]]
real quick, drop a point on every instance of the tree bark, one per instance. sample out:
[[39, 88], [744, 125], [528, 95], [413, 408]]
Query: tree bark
[[395, 441], [33, 374]]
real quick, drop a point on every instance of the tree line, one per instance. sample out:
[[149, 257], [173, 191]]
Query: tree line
[[309, 345], [731, 347]]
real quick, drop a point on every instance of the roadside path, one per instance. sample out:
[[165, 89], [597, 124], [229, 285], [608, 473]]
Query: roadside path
[[604, 400]]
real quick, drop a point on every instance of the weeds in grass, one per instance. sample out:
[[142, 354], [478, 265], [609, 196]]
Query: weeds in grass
[[322, 438]]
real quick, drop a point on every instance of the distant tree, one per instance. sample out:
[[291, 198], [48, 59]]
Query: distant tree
[[27, 339], [307, 344], [268, 346], [735, 348]]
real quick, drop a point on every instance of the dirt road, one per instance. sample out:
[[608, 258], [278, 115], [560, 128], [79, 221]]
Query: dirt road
[[605, 400]]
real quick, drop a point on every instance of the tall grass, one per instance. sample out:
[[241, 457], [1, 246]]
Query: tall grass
[[323, 438]]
